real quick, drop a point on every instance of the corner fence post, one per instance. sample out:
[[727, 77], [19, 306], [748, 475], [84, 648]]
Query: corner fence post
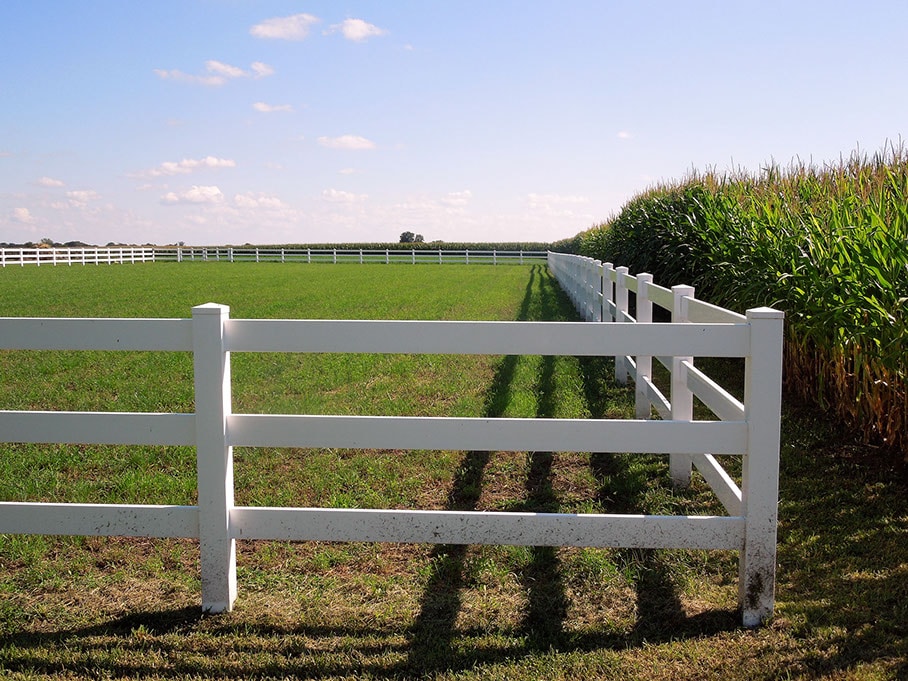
[[682, 398], [644, 362], [760, 467], [214, 457]]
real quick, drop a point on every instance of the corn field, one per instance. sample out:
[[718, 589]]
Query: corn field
[[829, 245]]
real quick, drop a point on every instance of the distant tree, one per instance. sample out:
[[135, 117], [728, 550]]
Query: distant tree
[[408, 238], [418, 239]]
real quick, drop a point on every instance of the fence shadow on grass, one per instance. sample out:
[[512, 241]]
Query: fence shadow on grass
[[660, 615], [434, 628]]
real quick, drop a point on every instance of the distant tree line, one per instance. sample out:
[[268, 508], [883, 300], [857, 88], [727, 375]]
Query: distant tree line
[[411, 238]]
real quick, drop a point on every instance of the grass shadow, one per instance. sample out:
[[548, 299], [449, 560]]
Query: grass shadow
[[434, 628], [843, 546]]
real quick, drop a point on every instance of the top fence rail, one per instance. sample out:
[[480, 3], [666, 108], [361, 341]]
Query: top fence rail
[[111, 256]]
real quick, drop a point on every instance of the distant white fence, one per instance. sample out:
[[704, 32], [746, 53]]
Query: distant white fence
[[751, 430], [110, 256]]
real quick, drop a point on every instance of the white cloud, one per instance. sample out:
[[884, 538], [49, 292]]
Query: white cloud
[[218, 73], [347, 171], [261, 70], [351, 142], [338, 196], [5, 154], [196, 195], [49, 182], [22, 216], [624, 135], [252, 200], [271, 108], [187, 165], [223, 69], [356, 30], [294, 27]]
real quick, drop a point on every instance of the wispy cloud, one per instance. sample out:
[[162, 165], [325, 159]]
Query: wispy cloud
[[271, 108], [356, 30], [225, 70], [217, 73], [624, 135], [186, 166], [546, 200], [350, 142], [80, 197], [294, 27], [22, 216], [49, 182], [457, 199], [252, 200], [195, 195], [181, 77], [261, 69], [339, 196]]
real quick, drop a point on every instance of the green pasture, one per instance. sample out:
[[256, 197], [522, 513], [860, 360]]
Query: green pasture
[[97, 608]]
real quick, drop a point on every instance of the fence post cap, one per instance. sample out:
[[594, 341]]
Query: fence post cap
[[765, 313], [210, 308]]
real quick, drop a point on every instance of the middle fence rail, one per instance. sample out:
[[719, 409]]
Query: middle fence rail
[[750, 430]]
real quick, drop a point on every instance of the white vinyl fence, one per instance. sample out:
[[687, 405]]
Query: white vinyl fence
[[109, 256], [600, 293], [749, 429]]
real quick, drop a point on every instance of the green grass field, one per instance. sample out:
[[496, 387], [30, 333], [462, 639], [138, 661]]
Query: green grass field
[[94, 608]]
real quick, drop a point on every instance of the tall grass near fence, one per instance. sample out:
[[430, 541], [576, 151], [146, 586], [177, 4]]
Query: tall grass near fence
[[827, 244]]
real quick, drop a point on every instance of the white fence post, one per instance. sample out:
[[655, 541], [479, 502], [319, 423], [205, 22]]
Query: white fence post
[[597, 290], [620, 310], [644, 362], [681, 397], [214, 457], [608, 291], [760, 467]]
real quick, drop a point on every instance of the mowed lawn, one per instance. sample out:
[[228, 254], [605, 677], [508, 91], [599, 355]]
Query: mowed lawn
[[73, 607]]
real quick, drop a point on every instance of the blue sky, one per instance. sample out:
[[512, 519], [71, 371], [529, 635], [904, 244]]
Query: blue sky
[[231, 121]]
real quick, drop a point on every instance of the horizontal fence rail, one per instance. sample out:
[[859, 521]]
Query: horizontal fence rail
[[124, 255], [214, 430]]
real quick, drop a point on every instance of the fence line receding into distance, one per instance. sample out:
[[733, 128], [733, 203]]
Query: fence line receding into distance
[[124, 255]]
